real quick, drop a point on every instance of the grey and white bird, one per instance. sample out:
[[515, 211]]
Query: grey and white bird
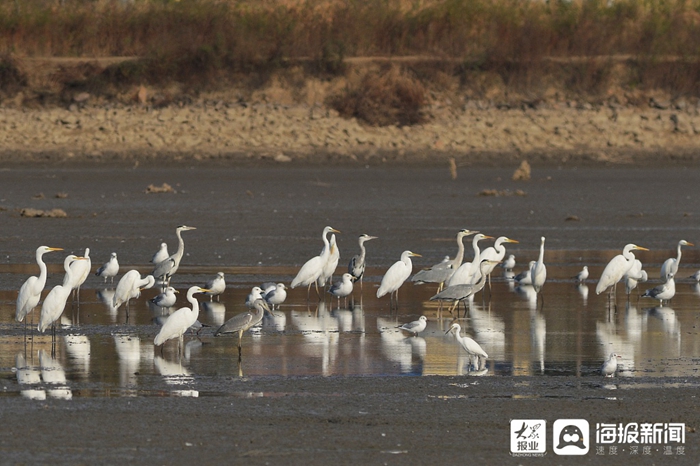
[[670, 265], [254, 295], [165, 269], [167, 298], [342, 288], [242, 322], [312, 269], [509, 263], [664, 292], [442, 271], [457, 293], [473, 349], [161, 254], [525, 277], [216, 286], [395, 276], [415, 327], [582, 276], [276, 296], [610, 366], [356, 266], [30, 291], [696, 276], [109, 269]]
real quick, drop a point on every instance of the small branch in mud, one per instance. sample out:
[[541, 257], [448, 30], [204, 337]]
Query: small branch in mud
[[164, 188], [33, 213]]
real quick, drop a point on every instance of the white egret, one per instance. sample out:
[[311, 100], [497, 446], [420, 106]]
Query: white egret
[[165, 269], [30, 292], [130, 287], [416, 326], [55, 301], [356, 267], [470, 346], [254, 295], [242, 322], [440, 273], [165, 299], [509, 263], [610, 366], [81, 270], [634, 276], [312, 269], [525, 277], [495, 253], [663, 292], [617, 268], [331, 263], [538, 272], [342, 288], [109, 269], [468, 272], [582, 276], [396, 275], [276, 296], [670, 265], [180, 320], [216, 286], [161, 254]]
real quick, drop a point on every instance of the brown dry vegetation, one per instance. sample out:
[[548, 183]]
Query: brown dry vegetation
[[508, 51]]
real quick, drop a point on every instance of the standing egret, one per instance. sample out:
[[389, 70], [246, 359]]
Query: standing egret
[[312, 269], [416, 326], [342, 288], [243, 322], [81, 270], [470, 346], [356, 267], [331, 263], [161, 254], [468, 272], [582, 276], [538, 272], [634, 276], [216, 286], [670, 265], [165, 269], [109, 269], [495, 253], [663, 292], [55, 301], [30, 292], [180, 320], [440, 273], [457, 293], [525, 277], [276, 296], [617, 268], [166, 299], [395, 276], [254, 295], [129, 287], [610, 366]]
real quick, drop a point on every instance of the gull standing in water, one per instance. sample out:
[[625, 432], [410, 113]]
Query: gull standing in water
[[215, 286], [55, 301], [356, 267], [395, 276], [416, 326], [525, 277], [509, 263], [161, 254], [663, 292], [180, 320], [470, 346], [670, 265], [342, 288], [243, 322], [582, 276], [30, 292], [254, 295], [167, 298], [276, 296], [610, 366], [441, 273], [312, 269], [165, 269], [617, 268], [109, 269]]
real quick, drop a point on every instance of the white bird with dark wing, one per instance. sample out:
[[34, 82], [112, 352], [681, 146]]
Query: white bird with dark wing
[[109, 269], [167, 298], [582, 276], [254, 295], [161, 254], [276, 296], [415, 327], [342, 288], [663, 292], [216, 286]]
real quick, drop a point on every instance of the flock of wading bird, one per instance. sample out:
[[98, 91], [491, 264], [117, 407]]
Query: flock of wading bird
[[457, 281]]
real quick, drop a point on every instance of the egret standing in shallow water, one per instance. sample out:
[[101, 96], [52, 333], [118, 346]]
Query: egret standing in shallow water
[[610, 366], [109, 269], [470, 346], [538, 272], [30, 292], [416, 326], [331, 263], [670, 265], [129, 287], [81, 270], [215, 286], [395, 276], [55, 301], [617, 268], [180, 320], [312, 269], [356, 267], [495, 253], [440, 273], [243, 322], [165, 269]]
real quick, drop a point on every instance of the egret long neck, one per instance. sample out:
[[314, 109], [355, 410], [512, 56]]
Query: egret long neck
[[679, 253], [194, 302], [477, 252], [42, 270]]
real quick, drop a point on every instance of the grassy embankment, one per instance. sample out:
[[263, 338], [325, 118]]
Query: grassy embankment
[[506, 51]]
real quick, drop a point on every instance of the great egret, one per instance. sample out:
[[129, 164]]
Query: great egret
[[663, 292], [216, 286], [525, 277], [495, 253], [670, 265], [416, 326], [582, 276], [55, 301], [468, 272], [161, 254], [254, 295], [276, 296], [312, 269], [166, 299], [470, 346], [634, 276], [617, 268], [243, 322], [165, 269], [610, 366], [538, 272], [331, 263], [456, 293], [440, 273], [30, 292], [396, 275], [81, 270], [129, 287], [109, 269], [342, 288], [356, 267], [180, 320]]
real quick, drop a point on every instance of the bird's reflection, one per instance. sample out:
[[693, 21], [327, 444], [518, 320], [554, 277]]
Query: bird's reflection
[[488, 329], [54, 377], [611, 341], [29, 379], [320, 330], [129, 355], [174, 373], [106, 297], [668, 318], [528, 293], [78, 349], [275, 321], [407, 352], [583, 291], [214, 312], [538, 331]]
